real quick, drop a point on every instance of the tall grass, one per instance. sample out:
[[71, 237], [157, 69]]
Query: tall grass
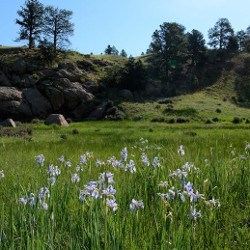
[[220, 170]]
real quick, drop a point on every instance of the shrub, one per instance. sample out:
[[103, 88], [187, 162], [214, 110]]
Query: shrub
[[215, 119], [182, 120], [165, 101], [218, 110], [150, 130], [137, 118], [21, 131], [171, 120], [64, 137], [236, 120], [75, 131], [208, 121], [157, 119], [190, 133], [37, 121]]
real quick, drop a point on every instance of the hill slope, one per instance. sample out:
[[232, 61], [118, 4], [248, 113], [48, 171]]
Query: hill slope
[[72, 85]]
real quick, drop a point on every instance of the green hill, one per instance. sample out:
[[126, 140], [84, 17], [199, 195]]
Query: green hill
[[218, 102]]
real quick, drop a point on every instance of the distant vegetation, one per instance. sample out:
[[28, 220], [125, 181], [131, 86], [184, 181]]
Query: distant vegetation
[[178, 61], [48, 26]]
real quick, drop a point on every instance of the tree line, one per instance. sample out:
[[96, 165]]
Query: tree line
[[180, 59], [44, 25]]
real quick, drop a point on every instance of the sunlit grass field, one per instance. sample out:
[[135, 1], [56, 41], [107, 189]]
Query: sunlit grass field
[[126, 185]]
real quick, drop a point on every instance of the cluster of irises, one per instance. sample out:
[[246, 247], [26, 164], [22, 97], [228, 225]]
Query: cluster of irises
[[103, 188], [184, 190]]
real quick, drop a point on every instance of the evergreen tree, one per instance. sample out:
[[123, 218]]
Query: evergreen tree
[[111, 50], [108, 50], [57, 25], [220, 34], [233, 45], [195, 46], [123, 53], [30, 21], [115, 51], [169, 49], [133, 75], [241, 37]]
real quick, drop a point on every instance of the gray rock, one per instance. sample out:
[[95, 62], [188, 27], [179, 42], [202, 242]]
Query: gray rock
[[56, 119], [83, 110], [19, 66], [153, 90], [99, 112], [10, 94], [74, 93], [55, 96], [4, 81], [40, 106], [126, 95], [16, 79], [16, 109], [29, 81], [71, 71], [8, 123]]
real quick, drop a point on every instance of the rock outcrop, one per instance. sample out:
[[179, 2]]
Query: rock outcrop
[[57, 119], [28, 92]]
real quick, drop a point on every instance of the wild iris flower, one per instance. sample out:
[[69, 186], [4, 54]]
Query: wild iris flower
[[181, 150], [1, 174], [145, 160], [109, 191], [75, 178], [124, 154], [40, 159], [111, 203], [61, 159], [130, 167], [90, 189], [107, 176], [194, 214], [53, 170], [136, 204], [156, 162]]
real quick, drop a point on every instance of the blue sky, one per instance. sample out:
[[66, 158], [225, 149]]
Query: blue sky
[[129, 24]]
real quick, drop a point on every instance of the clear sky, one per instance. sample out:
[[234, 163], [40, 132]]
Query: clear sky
[[129, 24]]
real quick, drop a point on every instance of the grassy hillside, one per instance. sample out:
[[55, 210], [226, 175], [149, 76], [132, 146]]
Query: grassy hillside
[[216, 103]]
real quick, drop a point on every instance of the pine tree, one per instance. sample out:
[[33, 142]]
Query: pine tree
[[30, 21], [57, 26]]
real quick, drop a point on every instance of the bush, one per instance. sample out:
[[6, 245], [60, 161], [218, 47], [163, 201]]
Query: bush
[[208, 121], [75, 131], [137, 118], [215, 119], [47, 51], [218, 110], [190, 133], [171, 120], [37, 121], [165, 101], [182, 120], [236, 120], [64, 137], [157, 119], [21, 131]]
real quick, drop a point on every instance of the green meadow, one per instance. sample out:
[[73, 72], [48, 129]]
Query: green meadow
[[156, 194]]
